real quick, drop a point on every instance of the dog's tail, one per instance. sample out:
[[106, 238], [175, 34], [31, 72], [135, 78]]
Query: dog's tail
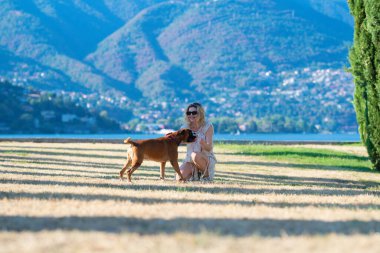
[[129, 141]]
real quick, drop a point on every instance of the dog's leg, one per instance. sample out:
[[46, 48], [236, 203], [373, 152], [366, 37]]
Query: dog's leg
[[162, 170], [176, 168], [131, 170], [127, 164]]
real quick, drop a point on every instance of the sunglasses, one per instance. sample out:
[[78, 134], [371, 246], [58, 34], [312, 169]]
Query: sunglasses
[[192, 113]]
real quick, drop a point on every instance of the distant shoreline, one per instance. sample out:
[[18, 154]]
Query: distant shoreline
[[120, 141], [277, 138]]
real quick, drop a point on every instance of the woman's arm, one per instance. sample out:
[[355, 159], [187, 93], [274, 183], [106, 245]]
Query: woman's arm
[[207, 144]]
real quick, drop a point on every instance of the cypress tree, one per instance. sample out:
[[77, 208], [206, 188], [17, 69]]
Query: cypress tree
[[365, 68]]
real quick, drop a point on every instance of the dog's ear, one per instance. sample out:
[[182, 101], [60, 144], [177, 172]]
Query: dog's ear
[[169, 134]]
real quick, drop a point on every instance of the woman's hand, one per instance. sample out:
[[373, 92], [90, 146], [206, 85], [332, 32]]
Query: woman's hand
[[207, 144], [203, 144]]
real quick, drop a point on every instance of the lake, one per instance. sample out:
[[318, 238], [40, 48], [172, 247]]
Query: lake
[[354, 137]]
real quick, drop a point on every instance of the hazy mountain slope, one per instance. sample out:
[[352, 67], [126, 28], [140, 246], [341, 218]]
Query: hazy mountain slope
[[72, 27], [222, 43], [57, 35], [134, 55], [126, 10], [150, 45], [337, 9]]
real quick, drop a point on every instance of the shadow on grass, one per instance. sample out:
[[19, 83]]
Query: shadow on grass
[[291, 154], [299, 181], [40, 168], [68, 154], [303, 166], [223, 227], [31, 148], [55, 161], [194, 188], [102, 175], [40, 174], [153, 172], [143, 172], [310, 154], [151, 200], [149, 173]]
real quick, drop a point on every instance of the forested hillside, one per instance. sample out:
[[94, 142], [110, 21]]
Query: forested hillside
[[266, 66], [31, 111]]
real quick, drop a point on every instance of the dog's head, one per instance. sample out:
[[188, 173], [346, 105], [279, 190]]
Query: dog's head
[[183, 135], [190, 136]]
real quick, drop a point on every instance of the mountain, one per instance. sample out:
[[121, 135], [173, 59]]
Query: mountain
[[58, 35], [148, 58]]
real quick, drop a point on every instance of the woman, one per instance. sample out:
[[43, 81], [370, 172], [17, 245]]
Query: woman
[[199, 163]]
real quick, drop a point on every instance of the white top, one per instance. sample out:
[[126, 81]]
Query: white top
[[196, 146]]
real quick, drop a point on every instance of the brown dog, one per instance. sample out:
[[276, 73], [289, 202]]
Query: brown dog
[[160, 150]]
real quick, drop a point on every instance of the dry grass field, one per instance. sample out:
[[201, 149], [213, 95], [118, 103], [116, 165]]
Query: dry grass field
[[66, 197]]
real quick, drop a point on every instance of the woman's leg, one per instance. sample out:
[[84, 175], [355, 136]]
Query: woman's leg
[[186, 170], [201, 161]]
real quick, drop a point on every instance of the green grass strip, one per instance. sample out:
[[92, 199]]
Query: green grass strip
[[322, 158]]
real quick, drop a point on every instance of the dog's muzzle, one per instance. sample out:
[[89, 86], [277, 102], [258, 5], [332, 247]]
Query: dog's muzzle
[[192, 136]]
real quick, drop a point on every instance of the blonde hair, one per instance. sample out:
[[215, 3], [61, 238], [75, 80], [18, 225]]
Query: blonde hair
[[201, 113]]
